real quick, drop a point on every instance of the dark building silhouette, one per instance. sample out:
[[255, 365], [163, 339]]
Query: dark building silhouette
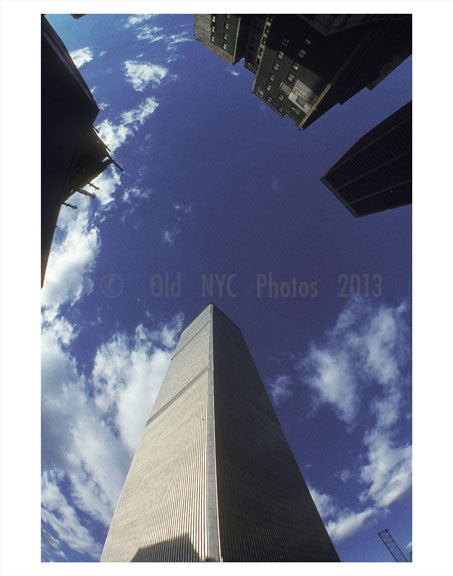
[[213, 478], [72, 153], [376, 173], [307, 63]]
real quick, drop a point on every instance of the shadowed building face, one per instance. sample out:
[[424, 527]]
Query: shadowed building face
[[213, 477]]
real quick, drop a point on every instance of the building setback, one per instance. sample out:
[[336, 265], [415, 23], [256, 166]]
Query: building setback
[[213, 478], [72, 153], [375, 174], [307, 63]]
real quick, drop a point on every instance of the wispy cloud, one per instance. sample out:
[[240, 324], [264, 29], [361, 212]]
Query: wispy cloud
[[150, 33], [368, 343], [137, 19], [115, 133], [280, 388], [349, 523], [81, 56], [366, 352], [140, 74], [169, 235], [135, 193], [172, 42]]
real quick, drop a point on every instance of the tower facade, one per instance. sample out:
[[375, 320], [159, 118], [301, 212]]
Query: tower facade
[[375, 174], [213, 478]]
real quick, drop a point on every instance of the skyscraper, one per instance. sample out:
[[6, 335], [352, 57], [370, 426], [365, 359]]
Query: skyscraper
[[213, 478], [375, 174]]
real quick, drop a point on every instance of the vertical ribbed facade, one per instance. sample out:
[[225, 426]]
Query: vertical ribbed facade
[[213, 477], [375, 174]]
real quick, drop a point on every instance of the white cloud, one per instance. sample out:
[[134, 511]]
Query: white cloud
[[81, 56], [324, 503], [280, 388], [71, 258], [150, 33], [367, 345], [388, 472], [135, 193], [138, 19], [137, 116], [349, 523], [140, 74], [92, 423], [106, 182], [115, 134], [331, 377], [62, 518], [365, 355]]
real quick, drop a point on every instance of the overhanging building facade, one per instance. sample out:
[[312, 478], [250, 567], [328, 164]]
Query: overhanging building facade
[[306, 63], [213, 478], [72, 152]]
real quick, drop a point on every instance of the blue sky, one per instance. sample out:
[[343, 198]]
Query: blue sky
[[217, 183]]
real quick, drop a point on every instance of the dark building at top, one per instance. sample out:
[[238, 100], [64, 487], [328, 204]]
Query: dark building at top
[[72, 153], [306, 63], [375, 174]]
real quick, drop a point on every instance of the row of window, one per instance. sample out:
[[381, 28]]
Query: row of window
[[294, 109]]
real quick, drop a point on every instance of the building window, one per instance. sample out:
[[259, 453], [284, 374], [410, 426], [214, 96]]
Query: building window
[[302, 53], [280, 55], [212, 28], [285, 88], [271, 77], [225, 36], [275, 66], [295, 65], [227, 16], [213, 18], [261, 92], [290, 77], [281, 97], [269, 99], [285, 42], [307, 41], [281, 109], [261, 52], [295, 109], [212, 39], [227, 26], [268, 87], [224, 46]]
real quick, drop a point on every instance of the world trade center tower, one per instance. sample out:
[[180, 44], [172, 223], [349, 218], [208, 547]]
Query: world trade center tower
[[213, 478]]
